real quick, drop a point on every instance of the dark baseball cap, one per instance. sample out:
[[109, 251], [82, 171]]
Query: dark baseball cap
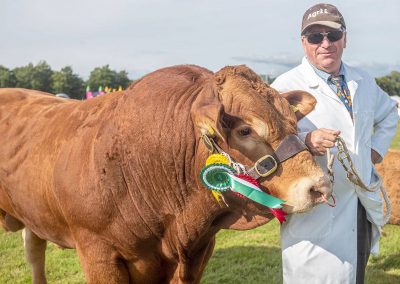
[[324, 15]]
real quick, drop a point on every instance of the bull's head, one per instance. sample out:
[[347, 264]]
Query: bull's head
[[248, 120]]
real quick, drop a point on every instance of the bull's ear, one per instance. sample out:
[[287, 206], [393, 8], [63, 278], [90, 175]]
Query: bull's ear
[[301, 102], [207, 111]]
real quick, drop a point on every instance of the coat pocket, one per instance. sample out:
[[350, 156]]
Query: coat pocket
[[372, 201]]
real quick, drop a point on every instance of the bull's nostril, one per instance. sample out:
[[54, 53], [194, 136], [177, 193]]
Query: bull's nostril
[[315, 194]]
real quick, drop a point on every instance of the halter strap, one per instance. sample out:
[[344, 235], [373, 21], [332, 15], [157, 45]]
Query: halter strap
[[266, 165]]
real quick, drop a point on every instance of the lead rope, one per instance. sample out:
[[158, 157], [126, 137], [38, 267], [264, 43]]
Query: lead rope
[[343, 156]]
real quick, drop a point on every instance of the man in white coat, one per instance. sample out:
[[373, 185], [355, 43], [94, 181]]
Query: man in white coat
[[332, 245]]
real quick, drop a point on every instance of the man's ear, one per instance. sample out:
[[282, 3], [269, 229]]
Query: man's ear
[[207, 112], [301, 102]]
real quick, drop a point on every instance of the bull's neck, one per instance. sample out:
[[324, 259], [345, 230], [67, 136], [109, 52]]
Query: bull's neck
[[158, 150], [159, 159]]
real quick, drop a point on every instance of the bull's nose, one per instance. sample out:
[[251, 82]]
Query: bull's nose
[[321, 191], [307, 192]]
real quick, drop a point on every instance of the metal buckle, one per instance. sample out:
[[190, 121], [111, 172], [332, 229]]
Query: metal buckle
[[269, 171]]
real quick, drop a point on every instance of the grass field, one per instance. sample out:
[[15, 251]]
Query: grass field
[[239, 257]]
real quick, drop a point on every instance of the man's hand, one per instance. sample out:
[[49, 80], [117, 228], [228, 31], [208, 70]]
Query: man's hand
[[321, 139], [375, 157]]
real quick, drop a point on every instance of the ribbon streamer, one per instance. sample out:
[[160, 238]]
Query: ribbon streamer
[[278, 213], [254, 193]]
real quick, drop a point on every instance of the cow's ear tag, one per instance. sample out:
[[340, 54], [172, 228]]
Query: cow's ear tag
[[210, 131], [294, 108]]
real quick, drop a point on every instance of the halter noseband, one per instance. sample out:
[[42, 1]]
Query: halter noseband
[[266, 165]]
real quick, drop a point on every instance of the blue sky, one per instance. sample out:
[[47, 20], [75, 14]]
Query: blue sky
[[140, 36]]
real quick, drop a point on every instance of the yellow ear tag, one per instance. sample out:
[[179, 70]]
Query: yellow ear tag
[[217, 159], [294, 108], [210, 131]]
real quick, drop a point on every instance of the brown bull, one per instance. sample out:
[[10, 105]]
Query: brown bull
[[117, 177], [390, 172]]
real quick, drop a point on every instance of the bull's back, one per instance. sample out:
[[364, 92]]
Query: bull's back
[[36, 130], [27, 125]]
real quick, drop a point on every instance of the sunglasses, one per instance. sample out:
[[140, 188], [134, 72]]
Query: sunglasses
[[316, 38]]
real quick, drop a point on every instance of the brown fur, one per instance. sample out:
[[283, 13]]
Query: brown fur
[[390, 171], [116, 177]]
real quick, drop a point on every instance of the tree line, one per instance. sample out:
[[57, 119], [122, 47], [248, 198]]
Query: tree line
[[390, 83], [42, 77]]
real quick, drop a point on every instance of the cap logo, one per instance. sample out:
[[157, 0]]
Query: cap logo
[[316, 13]]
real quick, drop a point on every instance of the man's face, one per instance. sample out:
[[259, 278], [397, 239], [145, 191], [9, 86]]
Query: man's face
[[325, 55]]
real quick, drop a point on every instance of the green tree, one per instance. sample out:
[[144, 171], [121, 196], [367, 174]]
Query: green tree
[[122, 79], [270, 79], [34, 77], [390, 83], [24, 76], [104, 76], [101, 76], [42, 77], [65, 81], [7, 78]]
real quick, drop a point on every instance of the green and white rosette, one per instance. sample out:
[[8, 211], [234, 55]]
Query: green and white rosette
[[221, 177], [216, 177]]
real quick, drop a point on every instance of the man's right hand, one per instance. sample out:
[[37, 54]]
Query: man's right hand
[[321, 139]]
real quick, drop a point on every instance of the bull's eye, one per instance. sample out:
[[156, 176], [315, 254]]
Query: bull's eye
[[245, 131]]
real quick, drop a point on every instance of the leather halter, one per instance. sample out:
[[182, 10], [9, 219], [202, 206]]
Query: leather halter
[[266, 165]]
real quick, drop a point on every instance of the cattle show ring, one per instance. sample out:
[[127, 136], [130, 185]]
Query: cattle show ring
[[140, 181]]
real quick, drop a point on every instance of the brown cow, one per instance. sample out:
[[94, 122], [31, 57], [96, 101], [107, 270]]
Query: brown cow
[[390, 172], [117, 177]]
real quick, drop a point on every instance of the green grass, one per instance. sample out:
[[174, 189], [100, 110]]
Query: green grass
[[62, 266], [239, 257]]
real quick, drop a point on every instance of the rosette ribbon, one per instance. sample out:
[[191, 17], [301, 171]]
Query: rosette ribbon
[[220, 178], [278, 212], [253, 192]]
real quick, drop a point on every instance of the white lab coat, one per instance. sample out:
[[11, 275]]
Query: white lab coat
[[321, 246]]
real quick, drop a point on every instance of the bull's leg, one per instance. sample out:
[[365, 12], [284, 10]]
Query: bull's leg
[[2, 220], [35, 249], [101, 264], [191, 269]]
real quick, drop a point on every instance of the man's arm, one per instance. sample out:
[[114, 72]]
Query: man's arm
[[385, 124]]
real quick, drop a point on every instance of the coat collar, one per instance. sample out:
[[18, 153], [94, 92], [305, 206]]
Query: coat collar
[[313, 80]]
